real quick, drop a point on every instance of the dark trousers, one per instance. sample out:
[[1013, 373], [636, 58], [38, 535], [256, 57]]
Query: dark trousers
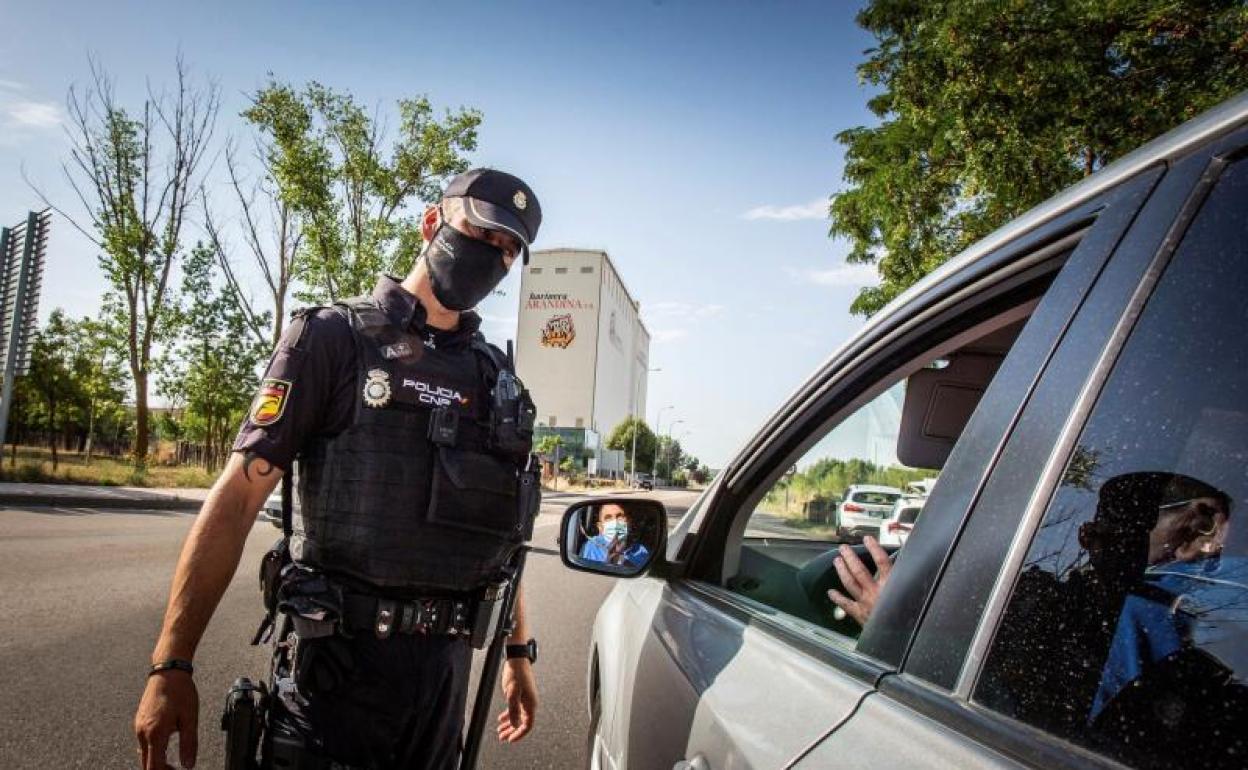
[[391, 703]]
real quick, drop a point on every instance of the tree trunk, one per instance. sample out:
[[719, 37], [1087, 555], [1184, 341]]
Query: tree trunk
[[90, 429], [140, 420], [279, 318], [54, 437]]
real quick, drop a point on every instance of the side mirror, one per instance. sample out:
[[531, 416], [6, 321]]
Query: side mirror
[[613, 536]]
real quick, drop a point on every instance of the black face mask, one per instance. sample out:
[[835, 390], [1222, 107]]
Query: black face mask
[[464, 270]]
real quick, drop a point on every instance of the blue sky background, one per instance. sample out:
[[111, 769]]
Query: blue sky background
[[691, 139]]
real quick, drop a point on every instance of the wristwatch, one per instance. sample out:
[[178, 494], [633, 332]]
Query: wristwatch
[[526, 650]]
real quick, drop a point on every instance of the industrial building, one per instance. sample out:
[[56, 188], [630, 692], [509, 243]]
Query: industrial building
[[581, 349]]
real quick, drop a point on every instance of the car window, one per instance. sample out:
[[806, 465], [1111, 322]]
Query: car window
[[842, 489], [1127, 628]]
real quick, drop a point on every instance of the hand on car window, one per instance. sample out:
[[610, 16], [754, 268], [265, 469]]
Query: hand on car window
[[862, 587]]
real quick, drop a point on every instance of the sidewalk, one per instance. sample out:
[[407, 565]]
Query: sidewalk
[[84, 496], [19, 495]]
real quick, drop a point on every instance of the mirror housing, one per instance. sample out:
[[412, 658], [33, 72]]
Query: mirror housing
[[591, 538]]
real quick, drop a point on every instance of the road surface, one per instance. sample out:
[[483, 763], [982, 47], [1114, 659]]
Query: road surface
[[82, 593]]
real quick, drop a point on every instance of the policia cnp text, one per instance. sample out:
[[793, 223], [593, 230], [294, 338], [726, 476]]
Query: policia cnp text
[[411, 438]]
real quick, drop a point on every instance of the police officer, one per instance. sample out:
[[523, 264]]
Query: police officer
[[408, 505]]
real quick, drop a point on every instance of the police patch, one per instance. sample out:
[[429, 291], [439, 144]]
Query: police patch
[[270, 401], [377, 389]]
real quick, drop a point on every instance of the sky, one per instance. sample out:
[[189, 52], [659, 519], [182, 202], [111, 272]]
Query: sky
[[693, 140]]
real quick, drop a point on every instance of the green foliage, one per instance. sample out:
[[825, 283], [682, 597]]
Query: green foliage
[[990, 108], [74, 386], [622, 438], [671, 458], [826, 480], [134, 171], [547, 444], [210, 372], [350, 195]]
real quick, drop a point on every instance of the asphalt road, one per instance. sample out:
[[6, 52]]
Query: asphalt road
[[82, 593]]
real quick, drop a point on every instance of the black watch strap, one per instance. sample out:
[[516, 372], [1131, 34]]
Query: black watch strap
[[526, 650], [173, 663]]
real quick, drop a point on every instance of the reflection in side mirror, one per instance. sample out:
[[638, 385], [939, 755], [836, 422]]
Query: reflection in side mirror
[[613, 536]]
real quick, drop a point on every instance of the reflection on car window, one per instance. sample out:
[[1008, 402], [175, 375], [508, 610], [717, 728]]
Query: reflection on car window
[[1127, 630]]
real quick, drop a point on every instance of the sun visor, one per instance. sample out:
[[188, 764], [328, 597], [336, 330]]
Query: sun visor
[[939, 402]]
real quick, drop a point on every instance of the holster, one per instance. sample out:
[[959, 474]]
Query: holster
[[246, 706], [272, 566]]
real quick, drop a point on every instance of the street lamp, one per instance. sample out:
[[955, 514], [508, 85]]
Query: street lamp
[[665, 446], [632, 460], [658, 418]]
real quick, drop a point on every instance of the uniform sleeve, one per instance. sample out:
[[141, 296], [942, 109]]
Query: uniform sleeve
[[303, 390]]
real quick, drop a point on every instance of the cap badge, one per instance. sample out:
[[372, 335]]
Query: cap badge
[[520, 199], [377, 389]]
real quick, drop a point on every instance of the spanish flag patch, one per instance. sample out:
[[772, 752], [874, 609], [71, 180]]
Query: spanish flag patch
[[270, 401]]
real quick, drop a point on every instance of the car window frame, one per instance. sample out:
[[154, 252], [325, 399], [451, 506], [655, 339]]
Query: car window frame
[[1037, 254], [1135, 272]]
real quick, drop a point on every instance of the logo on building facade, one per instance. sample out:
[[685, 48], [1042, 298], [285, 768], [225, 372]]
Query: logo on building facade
[[558, 332], [555, 301]]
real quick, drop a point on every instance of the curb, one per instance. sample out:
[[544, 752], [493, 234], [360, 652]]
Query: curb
[[83, 501]]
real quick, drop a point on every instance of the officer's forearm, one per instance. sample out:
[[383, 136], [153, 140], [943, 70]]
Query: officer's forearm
[[520, 634], [211, 554]]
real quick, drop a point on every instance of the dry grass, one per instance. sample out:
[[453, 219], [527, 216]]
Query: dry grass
[[34, 465]]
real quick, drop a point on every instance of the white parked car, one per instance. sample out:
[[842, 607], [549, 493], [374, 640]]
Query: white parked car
[[897, 526], [895, 529], [864, 507]]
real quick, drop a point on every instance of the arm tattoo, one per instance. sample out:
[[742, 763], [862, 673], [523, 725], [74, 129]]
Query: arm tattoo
[[266, 469]]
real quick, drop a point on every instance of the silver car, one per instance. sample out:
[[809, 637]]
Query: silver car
[[1075, 592]]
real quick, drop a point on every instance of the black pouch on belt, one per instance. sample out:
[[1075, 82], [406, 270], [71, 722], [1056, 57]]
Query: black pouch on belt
[[322, 665], [271, 565], [529, 499]]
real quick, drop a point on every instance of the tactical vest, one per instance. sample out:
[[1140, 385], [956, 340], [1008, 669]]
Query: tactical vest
[[417, 495]]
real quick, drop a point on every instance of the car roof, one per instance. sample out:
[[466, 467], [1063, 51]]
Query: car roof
[[1220, 119], [874, 488]]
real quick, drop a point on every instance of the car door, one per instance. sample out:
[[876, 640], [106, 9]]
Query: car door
[[734, 672], [1042, 643]]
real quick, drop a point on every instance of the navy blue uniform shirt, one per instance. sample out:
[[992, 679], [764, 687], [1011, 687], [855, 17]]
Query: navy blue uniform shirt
[[309, 388]]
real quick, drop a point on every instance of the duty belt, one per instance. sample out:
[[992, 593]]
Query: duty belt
[[383, 617]]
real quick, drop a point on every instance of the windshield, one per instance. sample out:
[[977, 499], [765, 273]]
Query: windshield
[[875, 498]]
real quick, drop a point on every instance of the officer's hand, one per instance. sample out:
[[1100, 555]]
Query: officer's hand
[[521, 693], [170, 704]]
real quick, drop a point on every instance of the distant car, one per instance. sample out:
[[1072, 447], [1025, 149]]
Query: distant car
[[643, 481], [864, 507], [271, 511], [896, 528]]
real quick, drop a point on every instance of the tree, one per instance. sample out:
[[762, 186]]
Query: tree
[[211, 370], [349, 194], [52, 374], [134, 175], [622, 438], [548, 444], [671, 457], [988, 109], [272, 237]]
